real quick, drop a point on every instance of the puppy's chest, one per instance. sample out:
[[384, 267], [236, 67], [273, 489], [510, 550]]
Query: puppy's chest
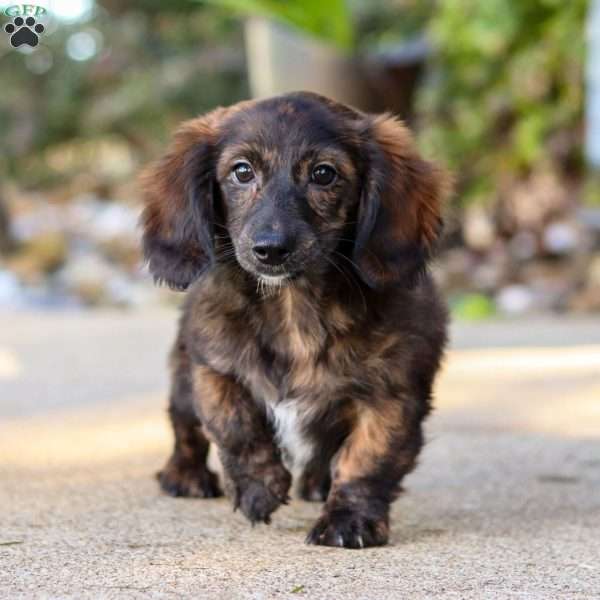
[[294, 379], [291, 406], [295, 349]]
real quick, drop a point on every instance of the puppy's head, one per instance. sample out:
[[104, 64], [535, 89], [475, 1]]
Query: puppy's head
[[289, 186]]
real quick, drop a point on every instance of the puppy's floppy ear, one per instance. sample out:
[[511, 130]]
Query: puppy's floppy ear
[[399, 217], [179, 192]]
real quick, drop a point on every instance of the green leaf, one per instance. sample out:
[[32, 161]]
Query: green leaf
[[473, 307], [328, 21]]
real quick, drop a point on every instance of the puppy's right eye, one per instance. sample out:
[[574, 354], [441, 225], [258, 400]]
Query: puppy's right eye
[[323, 174], [243, 172]]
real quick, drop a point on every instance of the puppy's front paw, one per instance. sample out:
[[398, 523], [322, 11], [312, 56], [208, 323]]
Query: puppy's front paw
[[348, 529], [259, 499], [188, 480]]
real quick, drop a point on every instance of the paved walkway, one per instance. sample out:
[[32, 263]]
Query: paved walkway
[[505, 504]]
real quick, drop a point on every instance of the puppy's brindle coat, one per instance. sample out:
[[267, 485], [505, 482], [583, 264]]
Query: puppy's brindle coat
[[311, 331]]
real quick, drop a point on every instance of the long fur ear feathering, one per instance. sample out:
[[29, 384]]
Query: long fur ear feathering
[[179, 195], [400, 213]]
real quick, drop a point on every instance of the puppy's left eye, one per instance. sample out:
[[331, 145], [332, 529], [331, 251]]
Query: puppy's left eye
[[243, 172], [323, 174]]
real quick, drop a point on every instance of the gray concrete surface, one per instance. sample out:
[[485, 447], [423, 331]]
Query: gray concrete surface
[[505, 503]]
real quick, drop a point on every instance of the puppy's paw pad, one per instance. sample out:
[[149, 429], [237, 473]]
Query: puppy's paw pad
[[189, 481], [347, 529]]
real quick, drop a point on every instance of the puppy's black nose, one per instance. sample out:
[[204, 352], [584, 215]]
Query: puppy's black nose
[[272, 248]]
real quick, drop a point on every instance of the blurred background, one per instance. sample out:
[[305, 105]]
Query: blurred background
[[495, 90], [506, 93]]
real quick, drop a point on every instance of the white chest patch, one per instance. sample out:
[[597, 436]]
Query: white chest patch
[[296, 448]]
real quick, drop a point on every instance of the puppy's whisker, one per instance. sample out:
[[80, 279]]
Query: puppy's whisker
[[225, 254], [216, 223], [348, 259], [343, 240], [362, 250], [341, 228], [347, 277]]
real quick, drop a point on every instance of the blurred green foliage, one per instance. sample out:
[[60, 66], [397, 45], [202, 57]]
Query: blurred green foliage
[[346, 24], [330, 21], [505, 96], [384, 24], [156, 64]]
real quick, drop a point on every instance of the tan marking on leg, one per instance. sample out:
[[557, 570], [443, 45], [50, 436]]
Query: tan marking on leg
[[215, 396], [369, 441]]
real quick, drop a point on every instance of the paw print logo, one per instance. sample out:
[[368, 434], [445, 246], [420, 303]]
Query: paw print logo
[[24, 31]]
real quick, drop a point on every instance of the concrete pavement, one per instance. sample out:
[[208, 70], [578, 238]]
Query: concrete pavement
[[505, 503]]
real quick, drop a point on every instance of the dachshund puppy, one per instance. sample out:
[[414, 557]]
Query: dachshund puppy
[[311, 332]]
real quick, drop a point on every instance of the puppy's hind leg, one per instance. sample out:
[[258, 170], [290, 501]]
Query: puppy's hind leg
[[315, 481], [186, 472]]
